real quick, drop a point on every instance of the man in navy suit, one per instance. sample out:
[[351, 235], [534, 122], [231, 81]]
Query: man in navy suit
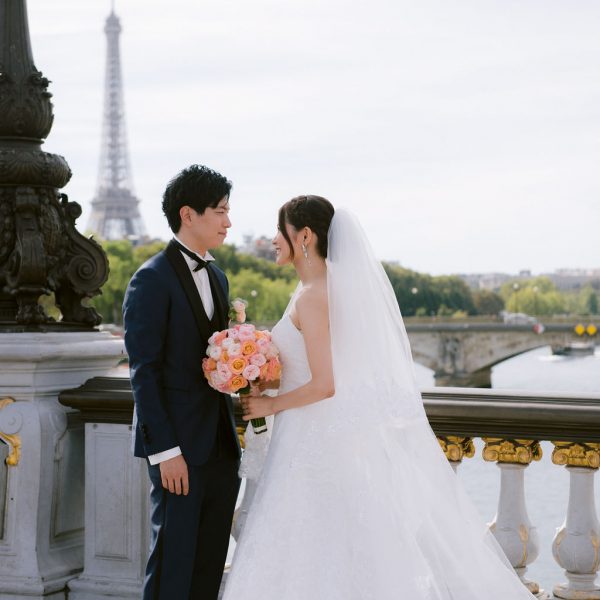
[[184, 428]]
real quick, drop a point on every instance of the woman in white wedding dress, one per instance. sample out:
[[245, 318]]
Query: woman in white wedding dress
[[356, 500]]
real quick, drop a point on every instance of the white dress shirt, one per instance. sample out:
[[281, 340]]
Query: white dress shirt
[[203, 285]]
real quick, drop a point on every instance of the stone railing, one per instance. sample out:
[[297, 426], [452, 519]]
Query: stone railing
[[511, 425]]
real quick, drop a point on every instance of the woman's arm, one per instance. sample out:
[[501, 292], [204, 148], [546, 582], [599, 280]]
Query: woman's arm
[[313, 317]]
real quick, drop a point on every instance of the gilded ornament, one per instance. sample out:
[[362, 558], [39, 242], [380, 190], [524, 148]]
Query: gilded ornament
[[575, 454], [240, 432], [515, 451], [456, 448], [13, 440]]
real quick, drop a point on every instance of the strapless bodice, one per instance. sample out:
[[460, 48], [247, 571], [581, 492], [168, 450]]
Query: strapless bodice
[[295, 369]]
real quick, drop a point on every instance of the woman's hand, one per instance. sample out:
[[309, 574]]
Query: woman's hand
[[256, 405]]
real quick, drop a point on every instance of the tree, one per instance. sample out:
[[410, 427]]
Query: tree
[[487, 302], [537, 296]]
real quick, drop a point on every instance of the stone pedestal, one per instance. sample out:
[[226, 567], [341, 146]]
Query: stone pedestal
[[117, 492], [116, 516], [41, 530]]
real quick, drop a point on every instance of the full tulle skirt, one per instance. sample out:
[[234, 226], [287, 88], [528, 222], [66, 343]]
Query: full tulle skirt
[[357, 510]]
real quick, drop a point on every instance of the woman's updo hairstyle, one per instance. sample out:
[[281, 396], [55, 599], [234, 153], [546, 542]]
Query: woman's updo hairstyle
[[314, 212]]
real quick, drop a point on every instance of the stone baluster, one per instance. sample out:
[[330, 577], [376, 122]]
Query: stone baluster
[[511, 525], [576, 546], [456, 448]]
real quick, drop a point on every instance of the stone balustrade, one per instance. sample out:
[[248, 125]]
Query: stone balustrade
[[511, 425]]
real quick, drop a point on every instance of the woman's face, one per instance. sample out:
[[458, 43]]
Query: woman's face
[[283, 254]]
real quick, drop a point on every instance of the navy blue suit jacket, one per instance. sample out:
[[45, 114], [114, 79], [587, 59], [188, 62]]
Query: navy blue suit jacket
[[166, 336]]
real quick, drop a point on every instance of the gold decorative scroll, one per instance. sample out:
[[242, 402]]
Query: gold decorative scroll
[[13, 440], [520, 452], [240, 433], [456, 448], [577, 454]]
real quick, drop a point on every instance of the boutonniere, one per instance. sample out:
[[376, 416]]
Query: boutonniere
[[237, 310]]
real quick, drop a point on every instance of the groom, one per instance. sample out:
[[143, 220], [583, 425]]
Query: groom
[[184, 428]]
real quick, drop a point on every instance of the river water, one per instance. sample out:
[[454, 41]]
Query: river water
[[546, 484]]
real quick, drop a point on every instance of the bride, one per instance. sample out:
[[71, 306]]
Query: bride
[[356, 500]]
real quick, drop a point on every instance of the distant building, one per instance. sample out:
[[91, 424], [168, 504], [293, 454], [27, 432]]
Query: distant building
[[261, 247]]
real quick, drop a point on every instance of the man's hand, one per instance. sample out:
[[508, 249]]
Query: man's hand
[[174, 475]]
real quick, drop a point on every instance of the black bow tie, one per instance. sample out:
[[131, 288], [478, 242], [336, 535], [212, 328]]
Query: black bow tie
[[201, 262]]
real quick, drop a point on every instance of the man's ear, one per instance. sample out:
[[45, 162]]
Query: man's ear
[[185, 215]]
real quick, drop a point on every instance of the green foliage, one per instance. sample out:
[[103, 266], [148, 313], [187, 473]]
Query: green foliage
[[267, 288], [537, 296], [267, 298], [232, 262], [421, 294], [487, 302]]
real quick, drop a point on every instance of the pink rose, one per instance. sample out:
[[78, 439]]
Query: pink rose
[[232, 333], [263, 345], [234, 350], [241, 316], [258, 359], [216, 380], [238, 305], [224, 371], [246, 332], [214, 352], [272, 351], [251, 372]]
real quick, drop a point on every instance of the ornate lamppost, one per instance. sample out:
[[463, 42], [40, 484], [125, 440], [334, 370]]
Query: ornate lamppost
[[40, 250]]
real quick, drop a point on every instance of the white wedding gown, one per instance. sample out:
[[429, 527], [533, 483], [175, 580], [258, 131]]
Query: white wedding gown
[[352, 508]]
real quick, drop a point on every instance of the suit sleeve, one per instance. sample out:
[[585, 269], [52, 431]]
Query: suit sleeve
[[145, 319]]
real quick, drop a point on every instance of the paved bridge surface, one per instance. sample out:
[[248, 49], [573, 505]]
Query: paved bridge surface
[[463, 353]]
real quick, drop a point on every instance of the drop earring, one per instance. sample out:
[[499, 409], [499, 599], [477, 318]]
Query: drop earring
[[305, 252]]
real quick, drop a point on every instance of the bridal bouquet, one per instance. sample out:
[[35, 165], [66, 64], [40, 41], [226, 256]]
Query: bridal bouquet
[[238, 357]]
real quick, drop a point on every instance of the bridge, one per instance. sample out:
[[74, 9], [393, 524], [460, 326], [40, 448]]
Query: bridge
[[463, 353]]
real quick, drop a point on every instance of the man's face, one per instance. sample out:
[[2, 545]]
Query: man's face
[[210, 228]]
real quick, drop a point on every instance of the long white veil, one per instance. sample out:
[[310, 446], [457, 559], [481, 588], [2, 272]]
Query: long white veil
[[370, 347]]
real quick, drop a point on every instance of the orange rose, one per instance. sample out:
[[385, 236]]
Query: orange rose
[[224, 357], [259, 335], [237, 383], [249, 348], [274, 371], [208, 364], [237, 365]]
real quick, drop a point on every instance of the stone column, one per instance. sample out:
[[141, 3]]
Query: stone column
[[117, 491], [511, 525], [576, 546], [41, 533]]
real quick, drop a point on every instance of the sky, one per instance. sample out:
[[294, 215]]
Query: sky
[[464, 134]]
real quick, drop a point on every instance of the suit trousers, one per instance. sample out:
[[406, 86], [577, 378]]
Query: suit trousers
[[190, 534]]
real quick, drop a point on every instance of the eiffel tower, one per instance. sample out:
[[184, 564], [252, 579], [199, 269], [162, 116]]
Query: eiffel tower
[[115, 214]]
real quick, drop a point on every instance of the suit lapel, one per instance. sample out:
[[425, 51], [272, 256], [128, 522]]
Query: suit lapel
[[221, 303], [189, 287]]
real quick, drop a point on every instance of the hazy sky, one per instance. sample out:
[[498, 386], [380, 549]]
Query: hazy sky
[[465, 134]]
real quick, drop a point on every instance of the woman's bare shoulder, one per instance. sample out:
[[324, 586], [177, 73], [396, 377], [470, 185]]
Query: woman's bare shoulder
[[313, 298]]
